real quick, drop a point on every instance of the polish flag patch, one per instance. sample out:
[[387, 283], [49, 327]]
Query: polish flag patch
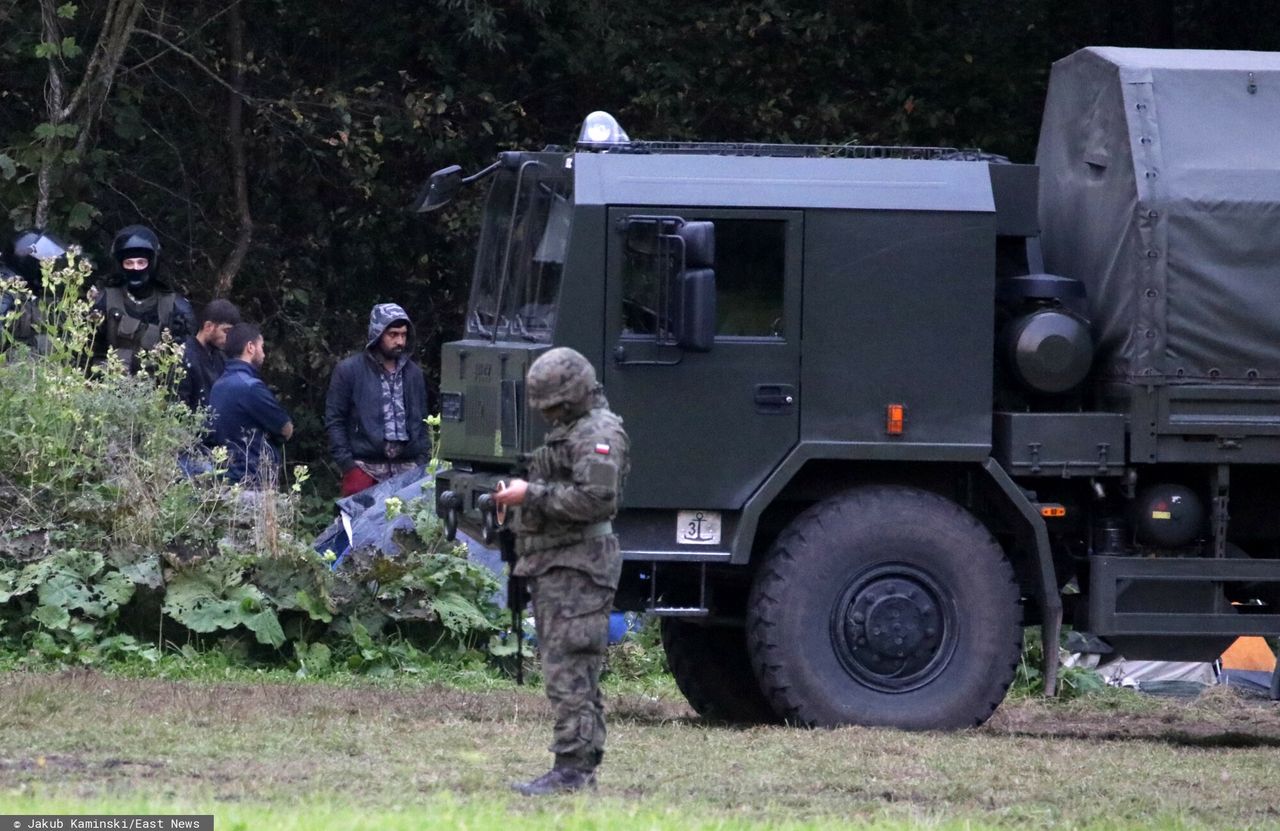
[[602, 449]]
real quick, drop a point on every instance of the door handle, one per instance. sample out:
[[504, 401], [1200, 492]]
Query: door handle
[[774, 398], [620, 359]]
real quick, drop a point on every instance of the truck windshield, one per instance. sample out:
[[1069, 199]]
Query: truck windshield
[[523, 237]]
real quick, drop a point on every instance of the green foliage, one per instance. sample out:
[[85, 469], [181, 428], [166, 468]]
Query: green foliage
[[106, 543], [1028, 680], [639, 657], [213, 595]]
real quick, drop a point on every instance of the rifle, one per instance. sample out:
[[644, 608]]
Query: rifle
[[515, 596]]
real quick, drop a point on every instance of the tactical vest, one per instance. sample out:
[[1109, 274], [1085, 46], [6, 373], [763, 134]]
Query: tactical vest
[[127, 332]]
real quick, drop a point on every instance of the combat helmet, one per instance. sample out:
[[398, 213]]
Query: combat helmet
[[29, 249], [561, 376]]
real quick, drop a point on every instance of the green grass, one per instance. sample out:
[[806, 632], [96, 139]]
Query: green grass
[[445, 811], [293, 753]]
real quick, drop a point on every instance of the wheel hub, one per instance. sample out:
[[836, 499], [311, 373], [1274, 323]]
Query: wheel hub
[[891, 628]]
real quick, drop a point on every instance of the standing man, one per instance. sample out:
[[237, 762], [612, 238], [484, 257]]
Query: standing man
[[376, 405], [567, 549], [247, 418], [137, 307], [202, 355]]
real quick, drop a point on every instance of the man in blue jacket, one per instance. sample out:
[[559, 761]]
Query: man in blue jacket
[[376, 405], [247, 418]]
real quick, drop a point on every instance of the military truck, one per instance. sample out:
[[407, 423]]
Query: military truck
[[891, 405]]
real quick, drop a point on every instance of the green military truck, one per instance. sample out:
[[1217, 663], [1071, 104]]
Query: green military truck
[[890, 405]]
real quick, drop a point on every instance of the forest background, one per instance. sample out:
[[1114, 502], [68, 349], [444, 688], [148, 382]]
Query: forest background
[[276, 144]]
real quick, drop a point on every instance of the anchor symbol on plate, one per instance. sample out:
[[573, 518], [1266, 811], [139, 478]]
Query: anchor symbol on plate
[[694, 529]]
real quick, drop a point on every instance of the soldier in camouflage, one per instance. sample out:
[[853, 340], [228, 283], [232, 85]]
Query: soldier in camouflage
[[570, 555]]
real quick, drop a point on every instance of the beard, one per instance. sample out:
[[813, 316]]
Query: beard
[[391, 354]]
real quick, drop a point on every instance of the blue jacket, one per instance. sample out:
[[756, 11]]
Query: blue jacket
[[247, 418]]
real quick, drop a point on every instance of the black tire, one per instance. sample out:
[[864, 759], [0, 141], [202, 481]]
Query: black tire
[[885, 606], [711, 668]]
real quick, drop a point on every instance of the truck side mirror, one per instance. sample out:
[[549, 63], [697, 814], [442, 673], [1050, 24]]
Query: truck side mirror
[[696, 330], [697, 327], [699, 244], [439, 189]]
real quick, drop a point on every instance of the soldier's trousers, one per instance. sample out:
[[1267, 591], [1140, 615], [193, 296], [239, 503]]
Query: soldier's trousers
[[572, 615]]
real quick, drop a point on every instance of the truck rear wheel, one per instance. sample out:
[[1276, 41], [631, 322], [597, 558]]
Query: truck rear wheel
[[885, 606], [712, 670]]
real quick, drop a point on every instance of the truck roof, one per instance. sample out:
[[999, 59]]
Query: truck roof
[[698, 178], [1201, 59]]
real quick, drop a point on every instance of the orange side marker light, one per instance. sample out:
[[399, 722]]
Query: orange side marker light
[[895, 417]]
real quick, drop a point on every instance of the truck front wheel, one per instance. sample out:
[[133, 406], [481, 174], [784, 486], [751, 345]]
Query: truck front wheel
[[711, 668], [885, 606]]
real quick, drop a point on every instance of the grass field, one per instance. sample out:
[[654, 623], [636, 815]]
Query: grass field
[[277, 754]]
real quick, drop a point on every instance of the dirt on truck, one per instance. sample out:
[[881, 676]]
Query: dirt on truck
[[891, 405]]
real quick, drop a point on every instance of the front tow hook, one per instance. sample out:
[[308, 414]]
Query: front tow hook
[[488, 518], [450, 503]]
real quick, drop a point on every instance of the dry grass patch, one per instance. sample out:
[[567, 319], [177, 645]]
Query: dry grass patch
[[1117, 760]]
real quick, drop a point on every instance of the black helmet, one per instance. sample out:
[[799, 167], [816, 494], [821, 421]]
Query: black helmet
[[136, 241], [30, 248]]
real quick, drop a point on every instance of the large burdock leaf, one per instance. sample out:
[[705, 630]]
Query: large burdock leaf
[[76, 581], [209, 598], [16, 581], [52, 617]]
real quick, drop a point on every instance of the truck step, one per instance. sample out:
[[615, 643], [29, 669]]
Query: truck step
[[1176, 597]]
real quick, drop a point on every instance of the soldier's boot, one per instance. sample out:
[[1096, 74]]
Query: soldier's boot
[[558, 780]]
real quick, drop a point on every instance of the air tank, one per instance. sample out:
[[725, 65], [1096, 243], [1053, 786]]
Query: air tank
[[1047, 346]]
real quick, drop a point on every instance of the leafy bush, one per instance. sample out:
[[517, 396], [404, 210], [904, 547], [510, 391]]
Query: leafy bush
[[106, 548], [1028, 680]]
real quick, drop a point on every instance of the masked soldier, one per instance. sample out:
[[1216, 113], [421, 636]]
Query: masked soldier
[[137, 307], [568, 551], [26, 258]]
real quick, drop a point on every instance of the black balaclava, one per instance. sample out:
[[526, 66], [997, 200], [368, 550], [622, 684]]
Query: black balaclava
[[137, 241]]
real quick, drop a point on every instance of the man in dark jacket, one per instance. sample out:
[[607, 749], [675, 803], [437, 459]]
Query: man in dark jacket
[[376, 405], [202, 355], [247, 418]]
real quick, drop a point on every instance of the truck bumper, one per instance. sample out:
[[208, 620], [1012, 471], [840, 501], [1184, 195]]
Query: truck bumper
[[458, 495]]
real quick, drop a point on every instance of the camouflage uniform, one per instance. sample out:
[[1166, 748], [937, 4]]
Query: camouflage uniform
[[567, 548]]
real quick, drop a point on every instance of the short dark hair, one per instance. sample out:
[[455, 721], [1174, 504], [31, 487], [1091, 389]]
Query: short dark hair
[[240, 336], [219, 312]]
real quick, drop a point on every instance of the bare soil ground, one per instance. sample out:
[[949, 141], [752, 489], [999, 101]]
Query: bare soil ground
[[1116, 760]]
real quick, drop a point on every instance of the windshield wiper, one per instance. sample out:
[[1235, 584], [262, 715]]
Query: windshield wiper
[[524, 329], [478, 323]]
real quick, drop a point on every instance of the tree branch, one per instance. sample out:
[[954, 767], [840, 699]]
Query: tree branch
[[232, 88], [235, 141], [53, 95]]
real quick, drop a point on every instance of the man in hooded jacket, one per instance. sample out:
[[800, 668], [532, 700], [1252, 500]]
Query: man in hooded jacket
[[376, 406]]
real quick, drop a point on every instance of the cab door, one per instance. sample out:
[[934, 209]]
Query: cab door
[[707, 427]]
